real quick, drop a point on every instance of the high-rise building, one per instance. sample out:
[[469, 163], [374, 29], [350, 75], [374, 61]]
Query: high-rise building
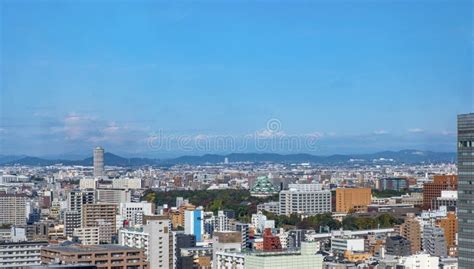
[[72, 220], [102, 216], [99, 162], [356, 199], [221, 222], [181, 240], [450, 228], [13, 209], [432, 190], [193, 223], [154, 238], [411, 229], [434, 242], [466, 190]]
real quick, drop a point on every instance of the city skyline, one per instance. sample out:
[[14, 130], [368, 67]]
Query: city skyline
[[358, 78]]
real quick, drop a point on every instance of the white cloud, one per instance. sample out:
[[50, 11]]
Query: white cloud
[[380, 132], [415, 130]]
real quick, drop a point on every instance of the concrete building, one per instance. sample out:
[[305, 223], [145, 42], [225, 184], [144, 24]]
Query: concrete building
[[21, 254], [133, 213], [305, 202], [13, 209], [272, 207], [72, 220], [103, 256], [450, 228], [356, 199], [225, 242], [102, 216], [221, 222], [432, 190], [154, 238], [88, 183], [244, 230], [418, 261], [398, 246], [465, 164], [434, 242], [411, 230], [339, 245], [260, 222], [87, 235], [303, 258], [180, 241], [99, 170], [127, 183], [113, 196]]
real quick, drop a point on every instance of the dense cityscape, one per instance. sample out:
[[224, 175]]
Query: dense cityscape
[[240, 214], [236, 134]]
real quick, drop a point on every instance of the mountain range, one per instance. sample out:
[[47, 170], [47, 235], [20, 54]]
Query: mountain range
[[395, 157]]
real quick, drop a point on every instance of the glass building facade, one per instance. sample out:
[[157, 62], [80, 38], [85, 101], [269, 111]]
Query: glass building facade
[[466, 190]]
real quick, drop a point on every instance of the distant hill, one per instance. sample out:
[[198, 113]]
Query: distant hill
[[396, 157]]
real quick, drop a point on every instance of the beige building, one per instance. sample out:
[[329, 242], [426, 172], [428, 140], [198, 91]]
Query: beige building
[[13, 209], [103, 256], [87, 235], [353, 199], [411, 230], [102, 216]]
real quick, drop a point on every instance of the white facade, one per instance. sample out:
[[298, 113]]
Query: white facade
[[20, 254], [154, 238], [133, 213], [127, 183], [305, 202], [260, 222], [87, 235], [221, 222], [305, 187], [87, 183], [418, 261], [339, 245]]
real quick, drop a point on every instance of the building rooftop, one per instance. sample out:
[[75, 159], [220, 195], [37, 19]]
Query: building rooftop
[[87, 249]]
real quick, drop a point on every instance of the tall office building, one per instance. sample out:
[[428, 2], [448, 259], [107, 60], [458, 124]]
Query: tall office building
[[466, 190], [98, 162]]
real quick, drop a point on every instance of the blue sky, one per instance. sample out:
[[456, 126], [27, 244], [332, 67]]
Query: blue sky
[[360, 76]]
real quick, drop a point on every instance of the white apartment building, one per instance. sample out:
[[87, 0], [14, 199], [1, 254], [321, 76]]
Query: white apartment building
[[154, 238], [127, 183], [133, 213], [305, 202], [221, 222], [88, 235], [21, 254], [341, 244], [418, 261]]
